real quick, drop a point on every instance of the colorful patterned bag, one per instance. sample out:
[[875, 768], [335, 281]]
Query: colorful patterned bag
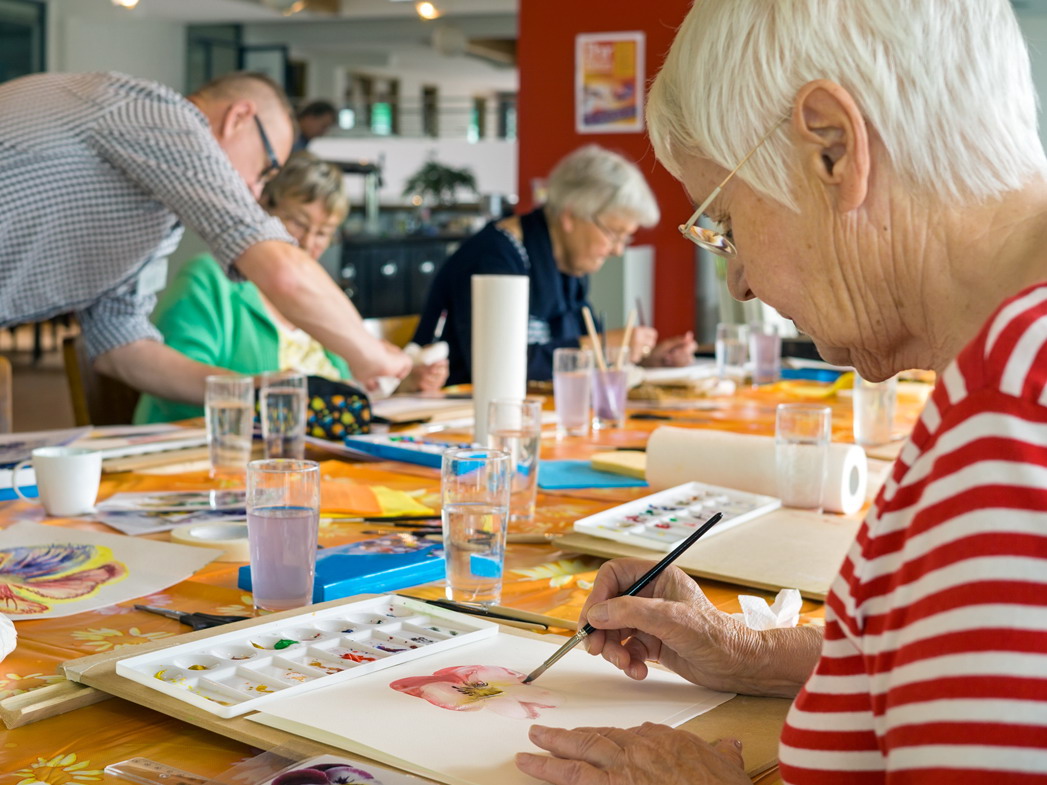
[[336, 409]]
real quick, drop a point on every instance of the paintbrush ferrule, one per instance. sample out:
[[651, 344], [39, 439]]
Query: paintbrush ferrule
[[573, 641]]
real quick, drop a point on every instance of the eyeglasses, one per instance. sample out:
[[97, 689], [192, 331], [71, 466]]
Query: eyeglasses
[[714, 241], [274, 162], [617, 238]]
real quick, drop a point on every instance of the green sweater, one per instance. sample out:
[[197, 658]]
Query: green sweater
[[217, 321]]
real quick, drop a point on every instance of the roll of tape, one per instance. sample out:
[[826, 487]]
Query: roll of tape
[[230, 538]]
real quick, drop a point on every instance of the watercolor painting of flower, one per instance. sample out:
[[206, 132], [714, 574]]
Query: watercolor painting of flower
[[33, 578], [327, 774], [475, 687]]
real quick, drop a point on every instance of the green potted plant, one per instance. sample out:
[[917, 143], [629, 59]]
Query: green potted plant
[[438, 184]]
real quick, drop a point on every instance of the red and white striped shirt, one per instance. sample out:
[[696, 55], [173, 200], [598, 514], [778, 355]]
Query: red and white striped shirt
[[934, 666]]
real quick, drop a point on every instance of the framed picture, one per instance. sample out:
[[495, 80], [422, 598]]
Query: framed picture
[[609, 82]]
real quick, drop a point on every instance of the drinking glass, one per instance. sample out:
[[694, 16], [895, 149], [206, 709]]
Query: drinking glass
[[732, 350], [609, 388], [229, 409], [284, 397], [874, 410], [515, 426], [765, 351], [474, 486], [572, 377], [802, 434], [283, 522]]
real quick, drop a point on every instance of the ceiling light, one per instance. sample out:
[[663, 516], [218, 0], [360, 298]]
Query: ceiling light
[[425, 9], [125, 3]]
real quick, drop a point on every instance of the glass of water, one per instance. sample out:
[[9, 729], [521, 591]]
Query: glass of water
[[283, 523], [284, 397], [474, 486], [515, 426], [802, 433], [572, 379], [732, 351], [229, 410]]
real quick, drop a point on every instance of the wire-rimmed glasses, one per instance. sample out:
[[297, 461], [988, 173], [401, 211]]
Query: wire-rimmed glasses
[[617, 239], [274, 163], [712, 240]]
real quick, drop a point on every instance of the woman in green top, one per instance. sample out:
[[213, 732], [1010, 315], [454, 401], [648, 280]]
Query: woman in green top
[[229, 324]]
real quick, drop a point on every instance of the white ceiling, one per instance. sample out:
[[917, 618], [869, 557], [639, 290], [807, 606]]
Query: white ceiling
[[220, 11]]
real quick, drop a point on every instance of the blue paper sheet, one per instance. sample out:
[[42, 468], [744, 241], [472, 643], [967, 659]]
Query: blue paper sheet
[[564, 475]]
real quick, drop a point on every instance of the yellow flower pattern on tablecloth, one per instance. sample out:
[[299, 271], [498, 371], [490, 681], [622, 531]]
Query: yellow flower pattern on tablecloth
[[100, 638], [59, 770], [246, 606], [562, 572], [9, 679]]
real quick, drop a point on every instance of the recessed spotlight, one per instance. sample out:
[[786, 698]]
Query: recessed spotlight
[[427, 10], [125, 3]]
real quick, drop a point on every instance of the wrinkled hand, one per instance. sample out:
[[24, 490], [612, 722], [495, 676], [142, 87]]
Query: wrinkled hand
[[677, 352], [647, 755], [672, 622], [426, 378]]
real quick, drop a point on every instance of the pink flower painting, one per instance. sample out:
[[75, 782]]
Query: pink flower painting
[[475, 687], [33, 578]]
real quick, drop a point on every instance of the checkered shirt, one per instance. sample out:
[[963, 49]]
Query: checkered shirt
[[98, 173]]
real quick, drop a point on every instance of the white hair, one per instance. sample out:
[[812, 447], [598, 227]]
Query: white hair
[[946, 84], [593, 180]]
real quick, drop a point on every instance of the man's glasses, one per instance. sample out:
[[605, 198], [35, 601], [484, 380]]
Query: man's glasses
[[274, 163], [711, 240], [616, 238]]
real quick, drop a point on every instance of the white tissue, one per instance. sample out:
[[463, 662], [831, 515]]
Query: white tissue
[[386, 386], [8, 636], [758, 615], [433, 353]]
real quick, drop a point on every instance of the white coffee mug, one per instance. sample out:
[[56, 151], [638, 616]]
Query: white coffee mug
[[67, 479]]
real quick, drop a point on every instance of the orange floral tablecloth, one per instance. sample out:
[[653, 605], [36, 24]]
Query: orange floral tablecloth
[[73, 748]]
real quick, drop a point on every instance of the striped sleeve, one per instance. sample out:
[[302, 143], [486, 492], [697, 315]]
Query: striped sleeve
[[934, 667]]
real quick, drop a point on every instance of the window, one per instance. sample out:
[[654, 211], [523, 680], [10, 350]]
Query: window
[[22, 34]]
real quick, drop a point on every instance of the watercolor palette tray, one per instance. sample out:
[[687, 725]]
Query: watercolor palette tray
[[409, 449], [235, 672], [662, 520]]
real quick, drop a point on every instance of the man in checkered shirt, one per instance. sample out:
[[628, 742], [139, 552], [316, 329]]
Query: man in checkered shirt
[[101, 171]]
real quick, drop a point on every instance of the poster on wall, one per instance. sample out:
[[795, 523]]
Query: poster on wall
[[609, 82]]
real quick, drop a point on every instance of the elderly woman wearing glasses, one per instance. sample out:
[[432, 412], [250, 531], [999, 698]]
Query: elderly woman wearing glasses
[[897, 214], [596, 202], [232, 325]]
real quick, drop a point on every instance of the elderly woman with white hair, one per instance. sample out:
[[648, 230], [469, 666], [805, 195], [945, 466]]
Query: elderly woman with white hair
[[596, 201], [876, 174]]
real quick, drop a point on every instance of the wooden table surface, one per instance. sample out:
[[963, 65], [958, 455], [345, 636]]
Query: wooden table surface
[[74, 747]]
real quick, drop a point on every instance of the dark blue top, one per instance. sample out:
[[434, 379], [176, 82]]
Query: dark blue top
[[556, 299]]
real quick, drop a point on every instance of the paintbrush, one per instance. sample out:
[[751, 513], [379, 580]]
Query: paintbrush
[[503, 616], [392, 520], [647, 577]]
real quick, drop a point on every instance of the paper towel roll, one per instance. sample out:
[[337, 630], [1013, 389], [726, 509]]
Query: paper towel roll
[[230, 538], [747, 463], [500, 305]]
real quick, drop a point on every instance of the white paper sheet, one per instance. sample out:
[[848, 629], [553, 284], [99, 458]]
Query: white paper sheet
[[477, 747], [51, 571]]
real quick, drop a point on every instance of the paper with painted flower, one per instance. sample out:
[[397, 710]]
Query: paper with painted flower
[[472, 719], [50, 571], [332, 770], [153, 521]]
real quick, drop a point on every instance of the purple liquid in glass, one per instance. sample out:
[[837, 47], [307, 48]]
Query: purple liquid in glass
[[283, 555]]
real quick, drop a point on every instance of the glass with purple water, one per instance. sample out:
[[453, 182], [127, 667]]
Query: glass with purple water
[[283, 517], [609, 388], [572, 380]]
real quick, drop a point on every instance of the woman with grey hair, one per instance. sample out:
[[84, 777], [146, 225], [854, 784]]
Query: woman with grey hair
[[876, 174], [596, 201]]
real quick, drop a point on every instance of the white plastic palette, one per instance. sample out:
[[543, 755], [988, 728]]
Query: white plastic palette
[[662, 520], [235, 672]]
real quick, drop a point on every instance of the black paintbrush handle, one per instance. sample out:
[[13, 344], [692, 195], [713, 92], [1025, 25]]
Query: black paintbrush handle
[[659, 568]]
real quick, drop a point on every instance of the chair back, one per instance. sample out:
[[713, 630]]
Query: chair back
[[398, 330], [97, 399], [5, 396]]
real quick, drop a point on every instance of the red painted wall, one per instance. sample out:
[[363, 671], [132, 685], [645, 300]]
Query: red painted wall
[[546, 127]]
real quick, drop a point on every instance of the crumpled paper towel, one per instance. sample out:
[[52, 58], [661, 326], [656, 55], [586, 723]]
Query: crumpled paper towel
[[8, 637], [758, 615], [428, 355]]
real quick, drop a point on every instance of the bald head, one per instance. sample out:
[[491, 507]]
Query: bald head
[[252, 120]]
